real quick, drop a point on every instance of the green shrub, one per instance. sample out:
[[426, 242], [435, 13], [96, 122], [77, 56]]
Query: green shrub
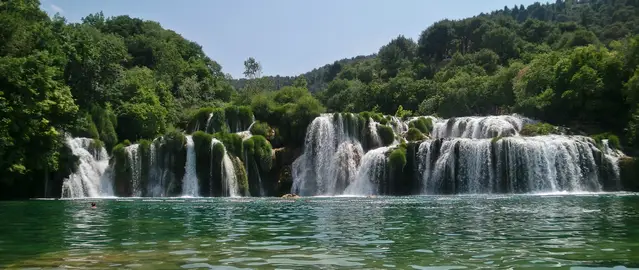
[[386, 134], [397, 159], [538, 129], [414, 134], [261, 128], [423, 124], [496, 139], [613, 140], [232, 142], [105, 121], [202, 145], [258, 148], [85, 127]]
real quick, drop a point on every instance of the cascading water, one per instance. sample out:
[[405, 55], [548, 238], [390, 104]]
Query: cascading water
[[373, 169], [135, 162], [477, 127], [509, 165], [190, 185], [208, 122], [228, 176], [91, 179], [331, 157], [467, 155], [229, 179]]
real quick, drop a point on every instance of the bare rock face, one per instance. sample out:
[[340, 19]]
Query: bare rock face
[[290, 196]]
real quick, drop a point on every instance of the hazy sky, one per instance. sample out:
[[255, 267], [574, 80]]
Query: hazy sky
[[287, 37]]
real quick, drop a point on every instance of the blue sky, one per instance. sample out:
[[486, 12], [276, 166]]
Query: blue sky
[[288, 37]]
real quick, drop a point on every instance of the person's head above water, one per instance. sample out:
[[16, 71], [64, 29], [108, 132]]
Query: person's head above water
[[92, 204]]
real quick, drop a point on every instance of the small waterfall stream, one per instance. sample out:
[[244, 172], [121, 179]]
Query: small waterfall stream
[[190, 185]]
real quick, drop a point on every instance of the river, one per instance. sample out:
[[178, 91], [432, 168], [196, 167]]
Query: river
[[565, 231]]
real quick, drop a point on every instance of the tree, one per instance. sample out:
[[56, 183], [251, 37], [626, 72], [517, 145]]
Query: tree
[[252, 69]]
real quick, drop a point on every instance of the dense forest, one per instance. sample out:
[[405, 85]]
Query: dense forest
[[123, 79]]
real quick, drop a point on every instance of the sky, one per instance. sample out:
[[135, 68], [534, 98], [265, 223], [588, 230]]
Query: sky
[[287, 37]]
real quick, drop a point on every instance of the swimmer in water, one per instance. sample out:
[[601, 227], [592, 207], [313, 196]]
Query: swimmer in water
[[93, 205]]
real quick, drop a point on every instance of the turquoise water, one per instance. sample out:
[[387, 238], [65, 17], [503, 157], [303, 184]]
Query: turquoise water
[[430, 232]]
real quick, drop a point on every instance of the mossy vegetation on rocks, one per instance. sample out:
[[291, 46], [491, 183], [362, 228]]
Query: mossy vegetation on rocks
[[629, 173], [613, 140], [423, 124], [232, 142], [414, 134], [538, 129], [386, 133]]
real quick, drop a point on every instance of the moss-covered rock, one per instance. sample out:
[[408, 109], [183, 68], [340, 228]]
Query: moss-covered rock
[[217, 155], [202, 145], [613, 140], [414, 134], [122, 171], [262, 129], [238, 118], [174, 145], [629, 173], [214, 117], [538, 129], [423, 124], [242, 177], [386, 134], [397, 158], [259, 161], [144, 151], [232, 142]]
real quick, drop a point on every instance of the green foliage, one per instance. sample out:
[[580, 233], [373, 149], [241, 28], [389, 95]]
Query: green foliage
[[242, 176], [613, 140], [386, 134], [397, 158], [261, 128], [85, 127], [414, 134], [290, 110], [232, 142], [538, 129], [423, 124], [258, 148], [403, 114]]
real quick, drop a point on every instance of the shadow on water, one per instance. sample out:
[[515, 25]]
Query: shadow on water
[[586, 231]]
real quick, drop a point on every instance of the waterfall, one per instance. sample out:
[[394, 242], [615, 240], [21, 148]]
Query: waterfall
[[479, 127], [190, 185], [208, 122], [376, 141], [228, 174], [510, 165], [135, 163], [399, 127], [468, 155], [373, 169], [90, 179], [229, 179], [330, 159]]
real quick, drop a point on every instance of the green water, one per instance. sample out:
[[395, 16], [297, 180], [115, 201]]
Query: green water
[[492, 232]]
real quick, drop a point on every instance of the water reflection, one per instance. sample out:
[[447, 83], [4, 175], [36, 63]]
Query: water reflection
[[591, 230]]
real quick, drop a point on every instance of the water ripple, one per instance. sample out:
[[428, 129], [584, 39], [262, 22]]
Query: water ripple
[[592, 231]]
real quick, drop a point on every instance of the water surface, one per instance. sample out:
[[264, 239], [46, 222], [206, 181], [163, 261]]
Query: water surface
[[599, 231]]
